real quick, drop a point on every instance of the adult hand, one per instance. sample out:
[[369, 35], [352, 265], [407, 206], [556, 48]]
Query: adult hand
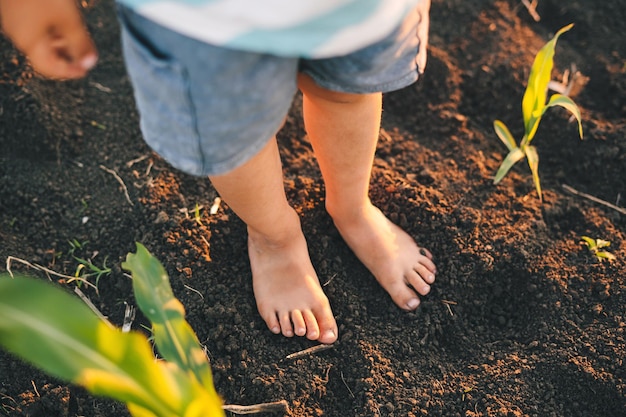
[[52, 35]]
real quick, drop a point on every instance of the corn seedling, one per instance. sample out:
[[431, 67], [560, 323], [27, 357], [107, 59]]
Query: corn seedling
[[86, 269], [73, 344], [75, 245], [597, 248], [84, 206], [533, 108], [197, 213]]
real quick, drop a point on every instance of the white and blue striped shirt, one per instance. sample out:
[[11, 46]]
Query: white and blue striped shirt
[[304, 28]]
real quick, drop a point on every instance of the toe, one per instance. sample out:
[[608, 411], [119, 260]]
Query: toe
[[299, 324], [312, 328], [425, 252], [272, 322], [328, 336], [427, 259], [285, 324], [417, 281], [327, 325], [426, 274], [404, 297]]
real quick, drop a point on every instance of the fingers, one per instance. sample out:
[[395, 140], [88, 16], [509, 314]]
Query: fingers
[[52, 35], [63, 59], [64, 53]]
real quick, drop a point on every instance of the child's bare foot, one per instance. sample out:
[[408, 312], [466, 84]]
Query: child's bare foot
[[287, 291], [402, 268]]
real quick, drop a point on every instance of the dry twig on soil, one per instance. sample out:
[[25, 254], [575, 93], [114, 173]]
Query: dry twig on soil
[[532, 9], [308, 351], [595, 199], [119, 179], [274, 407], [48, 272]]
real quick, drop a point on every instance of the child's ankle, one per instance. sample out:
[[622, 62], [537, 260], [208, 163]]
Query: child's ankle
[[278, 234], [347, 213]]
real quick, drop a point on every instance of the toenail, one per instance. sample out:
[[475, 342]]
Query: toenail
[[413, 303], [423, 251], [275, 330], [431, 277], [330, 334]]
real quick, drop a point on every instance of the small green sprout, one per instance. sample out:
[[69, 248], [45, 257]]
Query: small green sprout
[[85, 265], [197, 213], [84, 206], [75, 245], [86, 269], [533, 108], [98, 125], [596, 247]]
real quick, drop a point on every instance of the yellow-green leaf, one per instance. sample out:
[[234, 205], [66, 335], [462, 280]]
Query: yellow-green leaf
[[537, 89], [505, 135], [601, 255], [58, 333], [568, 104], [174, 337], [591, 243], [511, 159], [533, 162]]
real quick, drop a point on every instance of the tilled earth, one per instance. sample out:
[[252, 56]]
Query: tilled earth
[[523, 321]]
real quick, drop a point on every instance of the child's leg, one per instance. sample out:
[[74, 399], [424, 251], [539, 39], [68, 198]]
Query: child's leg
[[343, 129], [209, 111], [287, 290]]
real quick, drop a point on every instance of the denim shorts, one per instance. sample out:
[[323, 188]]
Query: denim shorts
[[207, 109]]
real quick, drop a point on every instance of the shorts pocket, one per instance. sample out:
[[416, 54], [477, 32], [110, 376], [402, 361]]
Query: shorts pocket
[[161, 89]]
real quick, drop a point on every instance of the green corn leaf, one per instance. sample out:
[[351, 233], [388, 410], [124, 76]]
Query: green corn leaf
[[601, 255], [537, 89], [511, 159], [534, 125], [568, 104], [591, 243], [58, 333], [505, 135], [137, 411], [174, 337], [533, 163]]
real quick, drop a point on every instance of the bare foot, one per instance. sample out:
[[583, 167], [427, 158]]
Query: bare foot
[[287, 291], [402, 268]]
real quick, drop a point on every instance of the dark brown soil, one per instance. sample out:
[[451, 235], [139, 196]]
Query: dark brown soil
[[523, 321]]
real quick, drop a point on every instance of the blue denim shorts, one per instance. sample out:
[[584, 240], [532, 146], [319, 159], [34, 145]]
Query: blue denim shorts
[[207, 109]]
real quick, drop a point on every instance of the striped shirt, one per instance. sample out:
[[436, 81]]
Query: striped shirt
[[303, 28]]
